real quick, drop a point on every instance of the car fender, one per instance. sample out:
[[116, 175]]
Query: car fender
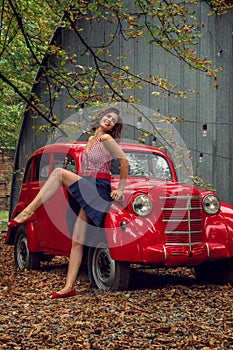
[[30, 231], [31, 237], [11, 232], [122, 235], [218, 231], [227, 216]]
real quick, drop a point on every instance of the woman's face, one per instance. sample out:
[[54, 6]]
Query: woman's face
[[108, 121]]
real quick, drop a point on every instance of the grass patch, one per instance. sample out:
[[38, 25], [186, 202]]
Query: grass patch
[[3, 214], [3, 220]]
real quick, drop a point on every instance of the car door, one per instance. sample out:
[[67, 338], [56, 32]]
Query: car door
[[51, 226]]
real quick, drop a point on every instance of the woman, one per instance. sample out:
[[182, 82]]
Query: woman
[[94, 180]]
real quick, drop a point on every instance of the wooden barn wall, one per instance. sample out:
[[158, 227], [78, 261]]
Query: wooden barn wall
[[210, 106]]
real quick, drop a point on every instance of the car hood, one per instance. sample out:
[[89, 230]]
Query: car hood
[[159, 188]]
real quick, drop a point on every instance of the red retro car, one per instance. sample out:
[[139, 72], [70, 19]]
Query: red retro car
[[158, 221]]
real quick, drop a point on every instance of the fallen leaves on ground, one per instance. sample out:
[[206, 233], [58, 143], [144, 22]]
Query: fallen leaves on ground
[[162, 309]]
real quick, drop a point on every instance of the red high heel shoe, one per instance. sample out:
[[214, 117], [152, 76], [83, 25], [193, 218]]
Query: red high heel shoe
[[71, 293], [14, 223]]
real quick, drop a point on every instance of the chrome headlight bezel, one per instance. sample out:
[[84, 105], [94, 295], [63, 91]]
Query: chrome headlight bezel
[[142, 205], [211, 204]]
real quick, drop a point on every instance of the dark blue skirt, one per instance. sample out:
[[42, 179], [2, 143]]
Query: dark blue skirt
[[93, 195]]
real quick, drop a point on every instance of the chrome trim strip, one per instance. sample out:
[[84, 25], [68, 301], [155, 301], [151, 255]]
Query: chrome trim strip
[[181, 232], [180, 208], [208, 249], [181, 220], [183, 197], [183, 244], [165, 252]]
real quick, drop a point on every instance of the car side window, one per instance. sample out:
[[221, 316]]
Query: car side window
[[58, 160], [28, 171], [41, 168], [69, 164]]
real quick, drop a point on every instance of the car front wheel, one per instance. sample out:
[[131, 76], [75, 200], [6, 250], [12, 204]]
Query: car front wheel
[[104, 272], [24, 259]]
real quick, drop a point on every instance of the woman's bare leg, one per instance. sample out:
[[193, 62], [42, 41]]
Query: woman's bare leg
[[59, 177], [76, 252]]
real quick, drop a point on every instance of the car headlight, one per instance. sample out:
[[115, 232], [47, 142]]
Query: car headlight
[[142, 205], [211, 204]]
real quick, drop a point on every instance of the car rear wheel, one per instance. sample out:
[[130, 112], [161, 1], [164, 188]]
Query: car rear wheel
[[104, 272], [217, 272], [24, 259]]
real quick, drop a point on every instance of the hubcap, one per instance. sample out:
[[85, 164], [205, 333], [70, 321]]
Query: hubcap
[[103, 268], [22, 254]]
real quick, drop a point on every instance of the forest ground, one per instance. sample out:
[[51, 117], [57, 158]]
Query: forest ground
[[162, 309]]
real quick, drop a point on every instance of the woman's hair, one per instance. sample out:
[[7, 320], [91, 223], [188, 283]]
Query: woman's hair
[[117, 129]]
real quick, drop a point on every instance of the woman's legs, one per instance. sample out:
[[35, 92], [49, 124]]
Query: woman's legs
[[59, 177], [76, 252]]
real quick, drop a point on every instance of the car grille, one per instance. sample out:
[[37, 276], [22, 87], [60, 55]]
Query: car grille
[[182, 216]]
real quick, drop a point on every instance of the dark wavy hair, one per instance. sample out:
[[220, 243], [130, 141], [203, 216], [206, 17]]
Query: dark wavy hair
[[117, 129]]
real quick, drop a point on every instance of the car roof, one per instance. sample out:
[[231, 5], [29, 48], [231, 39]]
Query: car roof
[[60, 147], [66, 146]]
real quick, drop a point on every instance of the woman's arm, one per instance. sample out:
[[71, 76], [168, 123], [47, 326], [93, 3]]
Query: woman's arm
[[115, 150]]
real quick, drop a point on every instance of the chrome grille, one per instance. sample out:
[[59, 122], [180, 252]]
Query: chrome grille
[[182, 216]]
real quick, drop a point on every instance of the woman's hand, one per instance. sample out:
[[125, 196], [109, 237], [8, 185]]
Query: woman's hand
[[116, 194]]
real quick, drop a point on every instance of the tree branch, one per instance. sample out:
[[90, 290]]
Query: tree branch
[[29, 102]]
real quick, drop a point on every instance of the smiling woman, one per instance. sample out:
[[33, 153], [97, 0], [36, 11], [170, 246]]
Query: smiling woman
[[109, 116]]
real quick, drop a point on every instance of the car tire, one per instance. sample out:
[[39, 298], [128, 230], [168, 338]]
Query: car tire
[[217, 272], [105, 273], [24, 259]]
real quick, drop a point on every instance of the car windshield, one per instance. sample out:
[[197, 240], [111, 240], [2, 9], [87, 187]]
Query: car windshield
[[145, 164]]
